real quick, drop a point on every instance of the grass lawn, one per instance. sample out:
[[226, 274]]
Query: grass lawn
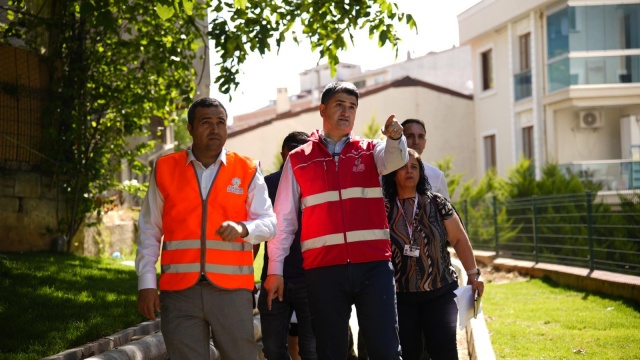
[[538, 319], [53, 302], [257, 263]]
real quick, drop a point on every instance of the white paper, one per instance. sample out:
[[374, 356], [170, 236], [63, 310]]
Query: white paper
[[465, 300]]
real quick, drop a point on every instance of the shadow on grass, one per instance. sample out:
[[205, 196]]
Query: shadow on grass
[[586, 294], [53, 302]]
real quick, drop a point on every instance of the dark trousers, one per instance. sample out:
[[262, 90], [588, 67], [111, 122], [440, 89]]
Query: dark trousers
[[433, 319], [275, 323], [371, 288]]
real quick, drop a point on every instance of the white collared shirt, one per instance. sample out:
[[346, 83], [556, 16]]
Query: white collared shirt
[[437, 180], [261, 221]]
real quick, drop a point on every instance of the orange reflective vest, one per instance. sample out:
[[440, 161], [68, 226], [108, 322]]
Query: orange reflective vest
[[191, 246], [343, 214]]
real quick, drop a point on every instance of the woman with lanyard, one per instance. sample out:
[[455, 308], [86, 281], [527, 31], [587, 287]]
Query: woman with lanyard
[[422, 225]]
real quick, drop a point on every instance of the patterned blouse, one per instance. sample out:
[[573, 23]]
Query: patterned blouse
[[432, 269]]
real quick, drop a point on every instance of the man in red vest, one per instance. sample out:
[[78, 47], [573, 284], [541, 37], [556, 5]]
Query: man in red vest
[[206, 206], [335, 180]]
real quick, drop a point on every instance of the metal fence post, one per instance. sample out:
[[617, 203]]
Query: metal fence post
[[496, 235], [534, 223], [590, 229]]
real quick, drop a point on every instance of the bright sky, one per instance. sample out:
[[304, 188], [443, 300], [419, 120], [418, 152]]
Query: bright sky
[[261, 76]]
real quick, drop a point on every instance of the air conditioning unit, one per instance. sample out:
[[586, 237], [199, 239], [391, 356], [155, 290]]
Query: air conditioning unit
[[591, 119]]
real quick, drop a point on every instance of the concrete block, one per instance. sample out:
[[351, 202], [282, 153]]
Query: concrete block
[[122, 337], [7, 185], [9, 205], [150, 347], [27, 184], [71, 354]]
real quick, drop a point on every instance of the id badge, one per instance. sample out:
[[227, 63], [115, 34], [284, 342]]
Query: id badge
[[413, 251]]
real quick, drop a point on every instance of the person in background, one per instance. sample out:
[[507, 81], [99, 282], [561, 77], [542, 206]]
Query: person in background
[[335, 179], [423, 224], [207, 206], [276, 321], [416, 133]]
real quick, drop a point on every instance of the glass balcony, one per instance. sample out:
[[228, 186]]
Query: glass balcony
[[593, 70], [522, 85], [612, 175]]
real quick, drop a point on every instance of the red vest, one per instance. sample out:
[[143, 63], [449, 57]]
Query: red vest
[[343, 214], [189, 223]]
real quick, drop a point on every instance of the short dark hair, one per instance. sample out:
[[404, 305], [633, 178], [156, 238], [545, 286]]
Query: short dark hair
[[294, 140], [205, 102], [414, 121], [390, 188], [336, 88]]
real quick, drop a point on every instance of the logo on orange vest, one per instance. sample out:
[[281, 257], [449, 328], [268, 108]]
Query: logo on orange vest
[[358, 167], [235, 188]]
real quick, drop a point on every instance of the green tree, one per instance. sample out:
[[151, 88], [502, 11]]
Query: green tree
[[453, 179], [372, 129], [115, 64], [111, 70]]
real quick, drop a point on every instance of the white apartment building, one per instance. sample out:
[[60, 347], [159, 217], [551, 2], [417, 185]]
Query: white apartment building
[[450, 69], [557, 81], [435, 88], [448, 116]]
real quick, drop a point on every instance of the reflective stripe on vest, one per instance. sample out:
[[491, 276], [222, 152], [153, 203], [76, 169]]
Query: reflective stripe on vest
[[210, 244], [355, 192], [338, 239], [191, 246], [221, 269]]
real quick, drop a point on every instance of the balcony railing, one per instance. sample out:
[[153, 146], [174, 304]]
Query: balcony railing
[[612, 175], [522, 85], [566, 71]]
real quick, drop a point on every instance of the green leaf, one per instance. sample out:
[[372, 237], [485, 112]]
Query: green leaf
[[242, 4], [165, 12], [188, 6]]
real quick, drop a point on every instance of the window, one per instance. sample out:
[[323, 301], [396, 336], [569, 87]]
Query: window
[[558, 33], [527, 142], [524, 42], [522, 80], [578, 38], [489, 153], [487, 69]]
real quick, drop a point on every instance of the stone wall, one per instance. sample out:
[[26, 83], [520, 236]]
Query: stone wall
[[28, 210], [28, 217], [115, 233]]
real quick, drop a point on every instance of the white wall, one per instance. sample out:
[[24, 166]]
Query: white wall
[[579, 144], [449, 121], [493, 107], [449, 68]]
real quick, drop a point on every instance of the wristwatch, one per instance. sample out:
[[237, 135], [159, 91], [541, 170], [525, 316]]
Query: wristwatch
[[474, 271]]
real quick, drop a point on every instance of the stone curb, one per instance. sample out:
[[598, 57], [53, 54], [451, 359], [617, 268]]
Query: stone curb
[[108, 343], [151, 347], [478, 340]]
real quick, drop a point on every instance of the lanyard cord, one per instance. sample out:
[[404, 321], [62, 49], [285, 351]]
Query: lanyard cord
[[406, 220]]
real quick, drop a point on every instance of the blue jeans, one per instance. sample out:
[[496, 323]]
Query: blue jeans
[[275, 323], [371, 288]]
